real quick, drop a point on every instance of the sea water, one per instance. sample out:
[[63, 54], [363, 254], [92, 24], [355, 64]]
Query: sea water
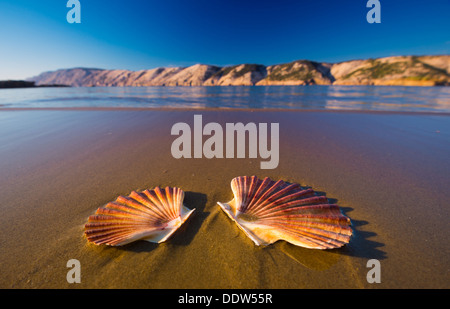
[[359, 98]]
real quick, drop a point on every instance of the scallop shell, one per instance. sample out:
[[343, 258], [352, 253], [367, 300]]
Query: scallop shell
[[268, 211], [152, 215]]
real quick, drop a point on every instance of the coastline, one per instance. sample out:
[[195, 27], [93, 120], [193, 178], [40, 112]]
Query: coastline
[[407, 70], [387, 171]]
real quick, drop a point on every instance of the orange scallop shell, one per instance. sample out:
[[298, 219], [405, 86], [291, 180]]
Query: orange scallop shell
[[268, 211], [151, 215]]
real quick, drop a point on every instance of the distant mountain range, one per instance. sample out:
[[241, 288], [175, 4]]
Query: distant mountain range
[[398, 70]]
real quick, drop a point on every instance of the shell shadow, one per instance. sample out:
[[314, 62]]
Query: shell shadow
[[184, 235], [359, 246]]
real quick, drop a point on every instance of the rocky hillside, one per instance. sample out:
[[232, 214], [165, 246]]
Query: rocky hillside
[[400, 70], [238, 75], [407, 70], [301, 72]]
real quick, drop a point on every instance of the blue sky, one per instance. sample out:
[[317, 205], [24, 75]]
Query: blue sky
[[35, 35]]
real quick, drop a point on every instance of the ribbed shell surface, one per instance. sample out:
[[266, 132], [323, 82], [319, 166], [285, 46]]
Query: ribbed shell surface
[[268, 211], [152, 215]]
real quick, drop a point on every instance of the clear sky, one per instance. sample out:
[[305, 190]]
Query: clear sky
[[128, 34]]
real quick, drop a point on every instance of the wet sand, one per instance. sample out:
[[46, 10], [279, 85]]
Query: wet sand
[[389, 172]]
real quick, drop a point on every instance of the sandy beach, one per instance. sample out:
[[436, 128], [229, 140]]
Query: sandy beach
[[389, 172]]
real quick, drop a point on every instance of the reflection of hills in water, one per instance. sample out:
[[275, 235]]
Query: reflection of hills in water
[[389, 98], [369, 98]]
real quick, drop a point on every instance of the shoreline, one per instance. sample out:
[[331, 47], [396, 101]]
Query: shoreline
[[406, 70]]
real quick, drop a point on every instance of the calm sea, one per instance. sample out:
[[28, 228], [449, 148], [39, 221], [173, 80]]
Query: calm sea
[[368, 98]]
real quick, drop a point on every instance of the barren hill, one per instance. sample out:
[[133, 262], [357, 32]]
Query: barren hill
[[398, 70]]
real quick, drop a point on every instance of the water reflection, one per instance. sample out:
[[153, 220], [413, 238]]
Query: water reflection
[[378, 98]]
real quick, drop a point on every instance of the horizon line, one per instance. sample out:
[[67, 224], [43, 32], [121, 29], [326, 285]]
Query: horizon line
[[233, 65]]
